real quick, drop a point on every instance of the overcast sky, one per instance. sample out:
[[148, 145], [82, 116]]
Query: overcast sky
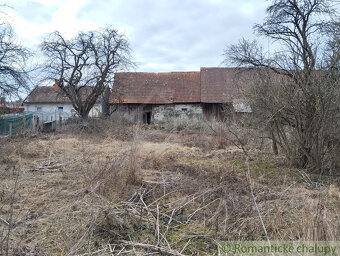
[[165, 35]]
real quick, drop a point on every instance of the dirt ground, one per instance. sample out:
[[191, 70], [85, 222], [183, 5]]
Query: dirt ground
[[153, 191]]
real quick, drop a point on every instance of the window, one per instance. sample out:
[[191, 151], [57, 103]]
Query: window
[[60, 109], [38, 108], [184, 109]]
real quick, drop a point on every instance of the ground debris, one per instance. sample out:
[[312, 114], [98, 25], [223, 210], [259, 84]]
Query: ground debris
[[53, 165]]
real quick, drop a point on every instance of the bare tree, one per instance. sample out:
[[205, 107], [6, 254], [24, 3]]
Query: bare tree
[[296, 91], [84, 66], [13, 57]]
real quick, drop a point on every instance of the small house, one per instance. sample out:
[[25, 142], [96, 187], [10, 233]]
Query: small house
[[50, 103]]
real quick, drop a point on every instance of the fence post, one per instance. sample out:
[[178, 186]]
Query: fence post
[[60, 119], [10, 129], [37, 125], [33, 123], [24, 122]]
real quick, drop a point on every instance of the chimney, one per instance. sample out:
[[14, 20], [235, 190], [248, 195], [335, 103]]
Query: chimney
[[56, 85]]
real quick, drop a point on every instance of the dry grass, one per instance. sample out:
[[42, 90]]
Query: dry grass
[[78, 193]]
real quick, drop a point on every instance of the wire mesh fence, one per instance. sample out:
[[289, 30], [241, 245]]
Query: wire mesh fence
[[49, 121], [11, 124], [42, 117]]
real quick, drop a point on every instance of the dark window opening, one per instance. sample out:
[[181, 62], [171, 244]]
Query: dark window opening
[[60, 109], [184, 109]]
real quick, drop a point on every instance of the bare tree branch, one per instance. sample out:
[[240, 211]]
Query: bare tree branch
[[295, 93], [85, 65], [13, 57]]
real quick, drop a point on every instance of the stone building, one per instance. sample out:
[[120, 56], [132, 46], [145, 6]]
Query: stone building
[[211, 93], [157, 97]]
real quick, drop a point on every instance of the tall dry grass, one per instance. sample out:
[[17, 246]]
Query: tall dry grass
[[134, 157], [153, 193]]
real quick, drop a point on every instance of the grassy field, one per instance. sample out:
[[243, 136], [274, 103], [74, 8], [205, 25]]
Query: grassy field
[[141, 190]]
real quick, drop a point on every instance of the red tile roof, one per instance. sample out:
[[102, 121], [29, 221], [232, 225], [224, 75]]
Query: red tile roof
[[219, 85], [12, 106], [210, 85], [159, 88]]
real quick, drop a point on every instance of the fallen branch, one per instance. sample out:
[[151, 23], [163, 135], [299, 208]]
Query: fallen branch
[[198, 209], [5, 221], [153, 248], [50, 167]]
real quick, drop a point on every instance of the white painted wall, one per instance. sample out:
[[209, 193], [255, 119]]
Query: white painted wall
[[51, 112]]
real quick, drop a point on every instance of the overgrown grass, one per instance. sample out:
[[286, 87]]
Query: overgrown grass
[[79, 192]]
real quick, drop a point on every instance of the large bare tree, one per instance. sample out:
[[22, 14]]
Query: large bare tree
[[84, 66], [296, 91], [13, 57]]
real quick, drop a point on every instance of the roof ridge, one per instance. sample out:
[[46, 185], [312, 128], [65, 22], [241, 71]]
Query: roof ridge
[[170, 72]]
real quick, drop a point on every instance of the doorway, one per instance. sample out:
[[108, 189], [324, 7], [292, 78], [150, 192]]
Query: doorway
[[147, 117]]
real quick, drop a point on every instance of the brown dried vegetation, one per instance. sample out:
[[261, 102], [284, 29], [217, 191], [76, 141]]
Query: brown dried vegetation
[[73, 193]]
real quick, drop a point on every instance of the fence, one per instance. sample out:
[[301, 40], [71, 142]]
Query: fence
[[11, 124], [15, 123], [42, 117], [49, 121]]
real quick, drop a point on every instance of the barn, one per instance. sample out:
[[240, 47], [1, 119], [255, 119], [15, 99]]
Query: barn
[[211, 93]]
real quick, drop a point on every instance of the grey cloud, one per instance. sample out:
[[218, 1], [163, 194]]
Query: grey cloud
[[35, 12], [177, 34]]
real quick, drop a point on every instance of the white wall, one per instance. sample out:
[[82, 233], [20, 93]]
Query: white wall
[[50, 111]]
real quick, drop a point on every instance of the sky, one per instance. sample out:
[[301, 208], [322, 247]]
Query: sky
[[165, 35]]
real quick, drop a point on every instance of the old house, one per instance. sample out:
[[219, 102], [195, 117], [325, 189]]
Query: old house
[[211, 93], [50, 103], [157, 97]]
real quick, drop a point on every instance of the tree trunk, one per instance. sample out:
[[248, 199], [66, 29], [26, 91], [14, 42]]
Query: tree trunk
[[105, 103], [84, 113], [274, 143]]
